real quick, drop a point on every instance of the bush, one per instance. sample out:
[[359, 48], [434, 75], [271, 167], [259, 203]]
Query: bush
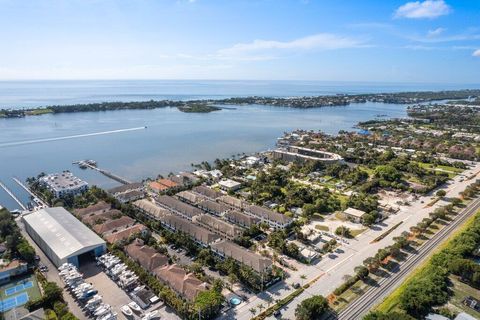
[[312, 308]]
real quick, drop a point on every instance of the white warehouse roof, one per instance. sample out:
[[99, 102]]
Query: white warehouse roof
[[64, 234]]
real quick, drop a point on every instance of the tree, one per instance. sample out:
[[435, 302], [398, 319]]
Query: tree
[[253, 311], [312, 308], [303, 277], [362, 272], [343, 231], [52, 294], [368, 219], [208, 303], [441, 193]]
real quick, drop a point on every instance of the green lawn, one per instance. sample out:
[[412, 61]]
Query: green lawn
[[392, 301], [321, 227], [461, 291], [356, 232]]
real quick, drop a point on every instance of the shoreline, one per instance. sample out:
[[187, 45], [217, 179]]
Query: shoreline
[[211, 105]]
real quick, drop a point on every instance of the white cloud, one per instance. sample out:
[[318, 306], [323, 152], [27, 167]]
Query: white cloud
[[321, 41], [435, 32], [427, 9], [476, 53]]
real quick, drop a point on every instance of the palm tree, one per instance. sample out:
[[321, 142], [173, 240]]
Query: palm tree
[[253, 311], [260, 307], [269, 300], [303, 277]]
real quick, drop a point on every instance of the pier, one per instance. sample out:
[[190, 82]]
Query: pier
[[39, 202], [10, 193], [88, 164]]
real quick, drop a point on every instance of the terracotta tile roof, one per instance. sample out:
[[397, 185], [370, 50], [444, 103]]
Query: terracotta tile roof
[[185, 284], [168, 183], [157, 187], [124, 234], [98, 207], [91, 218], [146, 256], [112, 225]]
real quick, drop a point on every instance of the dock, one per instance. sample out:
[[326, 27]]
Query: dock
[[39, 202], [88, 164], [10, 193]]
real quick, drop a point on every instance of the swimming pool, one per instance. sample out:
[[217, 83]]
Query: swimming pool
[[235, 301], [13, 302], [18, 288]]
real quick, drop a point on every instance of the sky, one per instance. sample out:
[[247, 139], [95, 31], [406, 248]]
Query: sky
[[328, 40]]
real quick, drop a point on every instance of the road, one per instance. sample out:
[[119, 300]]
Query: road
[[385, 286], [330, 272]]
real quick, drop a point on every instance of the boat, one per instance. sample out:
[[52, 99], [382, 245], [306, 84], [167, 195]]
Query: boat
[[135, 307], [127, 311], [109, 316], [102, 310], [153, 315]]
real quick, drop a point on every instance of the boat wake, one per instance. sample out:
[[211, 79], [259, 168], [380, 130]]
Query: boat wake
[[18, 143]]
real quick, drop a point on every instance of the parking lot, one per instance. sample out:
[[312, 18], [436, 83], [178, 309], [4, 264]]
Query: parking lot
[[110, 292]]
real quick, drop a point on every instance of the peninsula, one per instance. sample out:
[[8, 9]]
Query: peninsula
[[210, 105]]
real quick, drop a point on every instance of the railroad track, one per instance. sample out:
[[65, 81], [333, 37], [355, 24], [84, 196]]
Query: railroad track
[[372, 296]]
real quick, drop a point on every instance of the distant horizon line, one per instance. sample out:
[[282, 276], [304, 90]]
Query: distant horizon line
[[244, 80]]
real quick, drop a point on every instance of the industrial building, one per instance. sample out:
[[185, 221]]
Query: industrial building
[[62, 237]]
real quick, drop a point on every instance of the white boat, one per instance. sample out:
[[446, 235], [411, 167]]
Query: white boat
[[102, 310], [127, 311], [108, 316], [93, 303], [153, 315], [135, 307]]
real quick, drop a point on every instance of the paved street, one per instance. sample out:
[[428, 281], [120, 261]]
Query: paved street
[[331, 271]]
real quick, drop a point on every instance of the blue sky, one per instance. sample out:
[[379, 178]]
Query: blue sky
[[330, 40]]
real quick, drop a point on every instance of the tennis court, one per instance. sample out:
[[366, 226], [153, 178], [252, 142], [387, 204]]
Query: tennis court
[[18, 288], [13, 302]]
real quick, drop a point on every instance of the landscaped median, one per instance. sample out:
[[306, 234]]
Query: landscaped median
[[280, 304]]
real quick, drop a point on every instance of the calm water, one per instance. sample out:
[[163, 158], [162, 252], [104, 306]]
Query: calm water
[[173, 140]]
